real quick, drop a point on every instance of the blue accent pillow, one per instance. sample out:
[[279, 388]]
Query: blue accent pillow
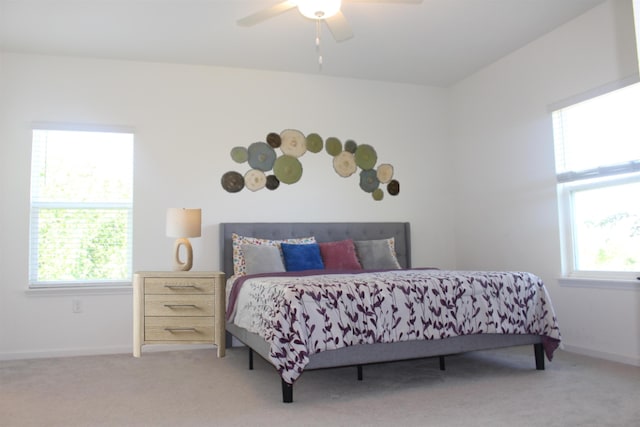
[[302, 257]]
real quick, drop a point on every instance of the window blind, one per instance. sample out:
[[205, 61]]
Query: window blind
[[599, 137], [81, 207]]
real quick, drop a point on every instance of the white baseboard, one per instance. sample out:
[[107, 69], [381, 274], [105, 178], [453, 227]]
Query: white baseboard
[[98, 351], [67, 352], [627, 360]]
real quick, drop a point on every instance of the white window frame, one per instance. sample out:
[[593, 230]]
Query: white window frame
[[95, 286], [592, 179], [565, 196]]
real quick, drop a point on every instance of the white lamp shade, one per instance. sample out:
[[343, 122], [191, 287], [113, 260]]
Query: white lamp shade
[[184, 222], [319, 9]]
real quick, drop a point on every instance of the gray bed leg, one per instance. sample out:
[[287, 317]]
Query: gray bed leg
[[250, 359], [538, 350], [441, 359], [287, 392], [359, 372]]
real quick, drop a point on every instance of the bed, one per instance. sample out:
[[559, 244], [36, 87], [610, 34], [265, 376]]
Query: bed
[[518, 320]]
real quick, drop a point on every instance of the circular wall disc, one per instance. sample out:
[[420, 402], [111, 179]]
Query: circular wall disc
[[393, 187], [273, 139], [344, 164], [366, 156], [272, 182], [385, 173], [239, 154], [293, 143], [255, 180], [287, 169], [350, 146], [377, 194], [314, 143], [368, 180], [261, 156], [232, 181], [333, 146]]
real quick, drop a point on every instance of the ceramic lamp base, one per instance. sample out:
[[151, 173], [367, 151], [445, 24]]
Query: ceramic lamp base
[[178, 265]]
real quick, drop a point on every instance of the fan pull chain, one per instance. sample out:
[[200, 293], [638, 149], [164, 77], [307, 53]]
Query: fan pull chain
[[318, 44]]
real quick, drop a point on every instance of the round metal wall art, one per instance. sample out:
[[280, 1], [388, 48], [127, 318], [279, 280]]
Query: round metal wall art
[[385, 173], [333, 146], [350, 146], [272, 182], [293, 143], [255, 179], [273, 139], [286, 167], [345, 164], [314, 143], [393, 187], [261, 156], [366, 156], [232, 181], [368, 180], [239, 154]]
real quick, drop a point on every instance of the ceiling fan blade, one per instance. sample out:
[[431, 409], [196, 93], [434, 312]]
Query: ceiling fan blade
[[339, 27], [267, 13]]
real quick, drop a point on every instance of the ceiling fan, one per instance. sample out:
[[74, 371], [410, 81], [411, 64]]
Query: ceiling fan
[[318, 10]]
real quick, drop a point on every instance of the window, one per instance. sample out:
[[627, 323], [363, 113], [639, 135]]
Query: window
[[598, 169], [81, 207]]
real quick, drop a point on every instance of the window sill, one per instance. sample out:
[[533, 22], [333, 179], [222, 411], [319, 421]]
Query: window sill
[[574, 282], [125, 289]]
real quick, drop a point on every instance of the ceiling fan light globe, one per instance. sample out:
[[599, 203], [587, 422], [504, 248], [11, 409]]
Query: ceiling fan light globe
[[319, 9]]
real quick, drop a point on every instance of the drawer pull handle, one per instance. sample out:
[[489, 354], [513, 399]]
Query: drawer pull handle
[[181, 306], [181, 286], [181, 329]]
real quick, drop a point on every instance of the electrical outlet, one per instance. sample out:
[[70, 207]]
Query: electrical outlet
[[76, 306]]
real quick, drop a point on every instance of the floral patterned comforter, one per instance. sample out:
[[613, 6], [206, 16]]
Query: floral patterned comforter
[[300, 315]]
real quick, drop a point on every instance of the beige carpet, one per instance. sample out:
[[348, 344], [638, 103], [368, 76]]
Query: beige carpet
[[194, 388]]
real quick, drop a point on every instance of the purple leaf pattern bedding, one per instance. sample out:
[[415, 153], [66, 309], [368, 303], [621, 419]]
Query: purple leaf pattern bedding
[[307, 314]]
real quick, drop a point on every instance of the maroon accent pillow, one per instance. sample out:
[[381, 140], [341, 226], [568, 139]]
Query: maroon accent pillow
[[340, 255]]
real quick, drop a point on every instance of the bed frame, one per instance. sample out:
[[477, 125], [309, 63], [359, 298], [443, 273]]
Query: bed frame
[[359, 355]]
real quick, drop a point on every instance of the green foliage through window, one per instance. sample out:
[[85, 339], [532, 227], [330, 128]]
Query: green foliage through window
[[81, 207]]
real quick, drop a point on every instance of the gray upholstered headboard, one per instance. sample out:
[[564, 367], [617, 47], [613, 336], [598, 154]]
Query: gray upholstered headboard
[[322, 231]]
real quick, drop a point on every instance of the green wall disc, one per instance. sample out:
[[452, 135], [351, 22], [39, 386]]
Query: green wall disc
[[287, 169], [333, 146], [366, 156]]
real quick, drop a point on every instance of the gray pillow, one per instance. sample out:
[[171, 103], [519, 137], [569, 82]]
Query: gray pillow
[[262, 259], [377, 254]]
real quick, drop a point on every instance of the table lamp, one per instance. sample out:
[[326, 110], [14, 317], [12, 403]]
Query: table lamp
[[183, 223]]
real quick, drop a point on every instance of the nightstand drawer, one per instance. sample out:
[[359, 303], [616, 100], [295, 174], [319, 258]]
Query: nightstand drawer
[[178, 329], [179, 285], [178, 305]]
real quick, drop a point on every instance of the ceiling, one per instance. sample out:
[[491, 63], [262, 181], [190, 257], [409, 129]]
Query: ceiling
[[437, 42]]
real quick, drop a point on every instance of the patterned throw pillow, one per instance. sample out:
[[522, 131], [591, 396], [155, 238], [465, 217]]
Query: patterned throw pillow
[[239, 262], [340, 255], [377, 254]]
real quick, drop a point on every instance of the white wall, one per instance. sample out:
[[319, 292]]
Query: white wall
[[186, 120], [506, 206], [493, 130]]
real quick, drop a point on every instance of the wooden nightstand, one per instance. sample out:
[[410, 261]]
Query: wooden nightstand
[[182, 307]]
